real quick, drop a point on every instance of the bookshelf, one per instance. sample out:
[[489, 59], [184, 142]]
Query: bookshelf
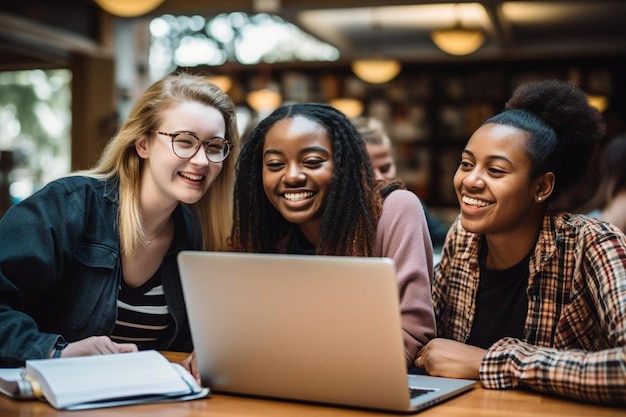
[[430, 109]]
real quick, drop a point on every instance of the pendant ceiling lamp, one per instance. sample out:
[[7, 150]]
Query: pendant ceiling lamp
[[458, 40], [351, 107], [600, 102], [128, 8], [224, 82], [376, 70], [264, 95], [264, 100]]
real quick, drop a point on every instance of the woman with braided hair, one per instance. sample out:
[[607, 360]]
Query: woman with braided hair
[[304, 185], [524, 296]]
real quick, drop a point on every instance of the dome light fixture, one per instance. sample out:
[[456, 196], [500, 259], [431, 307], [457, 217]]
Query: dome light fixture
[[600, 102], [376, 70], [458, 40], [224, 82], [264, 100], [128, 8], [351, 107]]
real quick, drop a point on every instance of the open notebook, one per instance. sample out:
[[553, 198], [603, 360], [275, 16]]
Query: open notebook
[[310, 328], [86, 382]]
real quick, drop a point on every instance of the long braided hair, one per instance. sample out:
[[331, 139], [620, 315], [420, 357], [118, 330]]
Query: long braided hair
[[353, 206]]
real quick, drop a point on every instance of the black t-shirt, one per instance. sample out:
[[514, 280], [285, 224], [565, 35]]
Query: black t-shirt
[[501, 303], [298, 245]]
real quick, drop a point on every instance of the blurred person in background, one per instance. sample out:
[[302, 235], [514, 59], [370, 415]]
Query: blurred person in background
[[609, 202], [379, 149]]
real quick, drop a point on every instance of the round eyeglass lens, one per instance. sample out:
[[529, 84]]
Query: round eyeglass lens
[[185, 146], [216, 149]]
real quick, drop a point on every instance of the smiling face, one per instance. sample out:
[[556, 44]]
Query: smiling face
[[168, 179], [297, 171], [493, 184]]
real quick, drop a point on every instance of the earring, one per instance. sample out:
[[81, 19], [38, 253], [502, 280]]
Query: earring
[[539, 198]]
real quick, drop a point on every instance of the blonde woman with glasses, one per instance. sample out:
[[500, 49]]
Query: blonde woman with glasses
[[88, 266]]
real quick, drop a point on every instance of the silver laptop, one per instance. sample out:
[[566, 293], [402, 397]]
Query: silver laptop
[[322, 329]]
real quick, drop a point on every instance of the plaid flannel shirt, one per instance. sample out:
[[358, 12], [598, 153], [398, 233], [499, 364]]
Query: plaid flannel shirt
[[575, 331]]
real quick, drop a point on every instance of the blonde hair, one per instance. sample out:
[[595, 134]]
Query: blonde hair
[[371, 130], [120, 161]]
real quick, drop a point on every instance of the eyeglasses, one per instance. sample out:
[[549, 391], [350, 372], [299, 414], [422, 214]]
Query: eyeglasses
[[186, 145]]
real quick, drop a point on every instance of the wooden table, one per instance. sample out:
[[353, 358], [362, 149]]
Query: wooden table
[[478, 402]]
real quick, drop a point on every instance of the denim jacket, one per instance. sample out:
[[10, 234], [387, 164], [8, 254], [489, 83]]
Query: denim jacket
[[60, 269]]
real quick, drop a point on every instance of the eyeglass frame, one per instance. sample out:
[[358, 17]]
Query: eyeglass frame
[[173, 136]]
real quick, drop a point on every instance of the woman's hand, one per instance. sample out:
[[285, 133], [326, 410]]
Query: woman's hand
[[96, 345], [191, 364], [451, 359]]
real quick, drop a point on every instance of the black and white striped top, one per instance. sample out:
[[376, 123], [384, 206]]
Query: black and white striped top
[[142, 315]]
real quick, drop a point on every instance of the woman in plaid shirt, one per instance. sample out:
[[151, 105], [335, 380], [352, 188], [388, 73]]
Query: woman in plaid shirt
[[526, 297]]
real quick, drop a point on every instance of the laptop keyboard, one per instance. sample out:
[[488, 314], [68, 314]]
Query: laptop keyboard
[[416, 392]]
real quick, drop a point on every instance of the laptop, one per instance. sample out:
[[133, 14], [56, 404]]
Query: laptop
[[322, 329]]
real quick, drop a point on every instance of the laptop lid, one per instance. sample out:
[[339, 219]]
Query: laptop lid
[[310, 328]]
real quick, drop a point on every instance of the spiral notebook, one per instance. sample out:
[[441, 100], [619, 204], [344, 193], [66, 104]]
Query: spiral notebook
[[323, 329]]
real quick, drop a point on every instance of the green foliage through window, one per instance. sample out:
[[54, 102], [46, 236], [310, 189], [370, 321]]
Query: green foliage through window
[[35, 124]]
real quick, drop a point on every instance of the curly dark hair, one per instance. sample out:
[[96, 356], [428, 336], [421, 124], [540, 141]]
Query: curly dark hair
[[564, 130], [348, 225]]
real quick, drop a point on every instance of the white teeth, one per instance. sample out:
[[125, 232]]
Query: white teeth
[[298, 196], [475, 202], [191, 176]]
